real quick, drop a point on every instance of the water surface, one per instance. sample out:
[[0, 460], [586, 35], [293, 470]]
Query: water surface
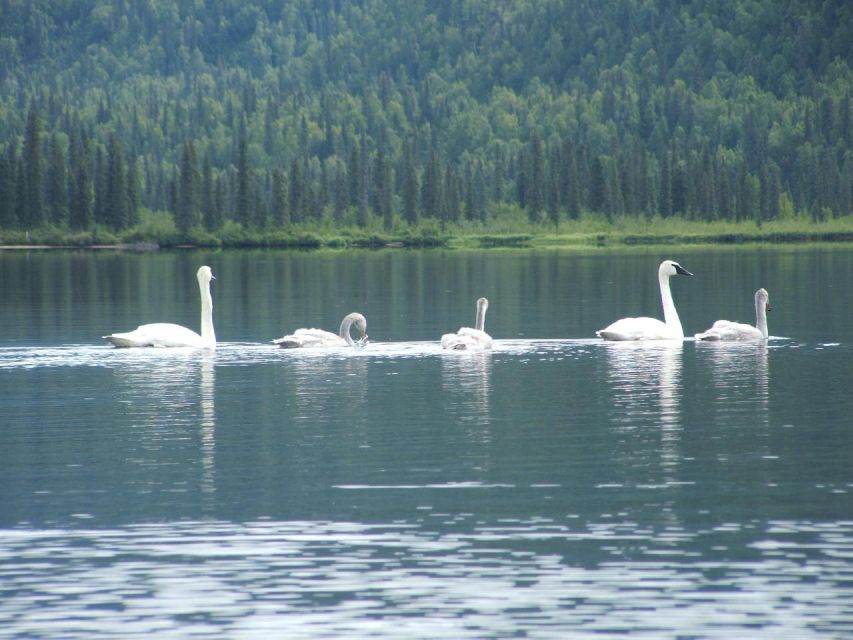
[[556, 487]]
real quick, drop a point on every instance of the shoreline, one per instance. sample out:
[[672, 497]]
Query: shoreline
[[613, 239]]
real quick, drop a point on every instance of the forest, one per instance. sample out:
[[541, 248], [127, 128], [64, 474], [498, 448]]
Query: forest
[[227, 120]]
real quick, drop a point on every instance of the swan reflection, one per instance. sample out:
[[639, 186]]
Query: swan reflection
[[645, 386], [740, 372], [208, 430], [466, 384], [169, 397], [327, 385]]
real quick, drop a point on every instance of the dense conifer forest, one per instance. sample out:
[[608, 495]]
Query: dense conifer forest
[[219, 119]]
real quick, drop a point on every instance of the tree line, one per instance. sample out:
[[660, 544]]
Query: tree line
[[346, 113]]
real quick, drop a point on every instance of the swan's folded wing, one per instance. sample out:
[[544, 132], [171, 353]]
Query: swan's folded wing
[[725, 330], [307, 338], [160, 334], [466, 339], [636, 329]]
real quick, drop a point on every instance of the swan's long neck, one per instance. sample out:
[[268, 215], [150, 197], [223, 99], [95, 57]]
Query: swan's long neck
[[344, 332], [761, 317], [670, 315], [207, 333], [480, 324]]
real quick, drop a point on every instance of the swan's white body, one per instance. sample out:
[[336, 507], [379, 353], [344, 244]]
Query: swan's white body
[[652, 328], [468, 339], [308, 338], [166, 334], [725, 330]]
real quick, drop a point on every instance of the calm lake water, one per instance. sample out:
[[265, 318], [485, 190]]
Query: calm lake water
[[558, 487]]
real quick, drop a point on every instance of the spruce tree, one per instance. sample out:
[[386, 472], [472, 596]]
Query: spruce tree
[[33, 206], [280, 211], [410, 187], [8, 183], [116, 209], [243, 204], [57, 184], [535, 186], [186, 215]]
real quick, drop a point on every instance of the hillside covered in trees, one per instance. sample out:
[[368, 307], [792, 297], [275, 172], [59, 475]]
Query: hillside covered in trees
[[272, 115]]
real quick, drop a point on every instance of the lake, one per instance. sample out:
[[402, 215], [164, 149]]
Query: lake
[[556, 487]]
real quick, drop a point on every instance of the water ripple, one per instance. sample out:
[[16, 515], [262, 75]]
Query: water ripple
[[342, 579], [241, 353]]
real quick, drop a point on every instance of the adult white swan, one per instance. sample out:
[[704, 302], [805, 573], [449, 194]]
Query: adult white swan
[[652, 328], [726, 330], [166, 334], [305, 338], [469, 339]]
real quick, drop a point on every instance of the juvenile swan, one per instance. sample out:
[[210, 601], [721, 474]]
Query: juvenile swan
[[652, 328], [468, 339], [166, 334], [726, 330], [306, 338]]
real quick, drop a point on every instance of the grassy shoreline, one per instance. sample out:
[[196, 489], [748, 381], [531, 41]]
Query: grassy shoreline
[[576, 234]]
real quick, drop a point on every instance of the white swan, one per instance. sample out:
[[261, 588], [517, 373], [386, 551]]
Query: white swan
[[166, 334], [468, 339], [652, 328], [306, 338], [726, 330]]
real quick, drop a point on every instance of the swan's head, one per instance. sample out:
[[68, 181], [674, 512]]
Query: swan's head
[[482, 304], [204, 274], [361, 325], [762, 299], [672, 268]]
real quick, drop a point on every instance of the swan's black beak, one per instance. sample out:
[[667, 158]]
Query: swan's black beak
[[768, 308], [681, 270]]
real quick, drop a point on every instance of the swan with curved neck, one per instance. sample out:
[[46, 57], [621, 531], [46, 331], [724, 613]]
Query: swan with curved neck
[[307, 338], [166, 334], [652, 328], [468, 339], [725, 330]]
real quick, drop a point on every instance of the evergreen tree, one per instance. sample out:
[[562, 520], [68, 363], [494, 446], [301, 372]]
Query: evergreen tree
[[452, 196], [21, 200], [410, 188], [116, 209], [57, 184], [280, 211], [210, 213], [665, 203], [431, 192], [598, 186], [341, 191], [8, 183], [100, 210], [243, 204], [363, 185], [133, 192], [383, 189], [572, 181], [680, 189], [186, 215], [534, 188], [82, 189], [553, 189], [33, 205], [297, 192], [354, 177]]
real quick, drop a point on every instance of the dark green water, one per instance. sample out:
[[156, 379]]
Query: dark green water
[[555, 487]]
